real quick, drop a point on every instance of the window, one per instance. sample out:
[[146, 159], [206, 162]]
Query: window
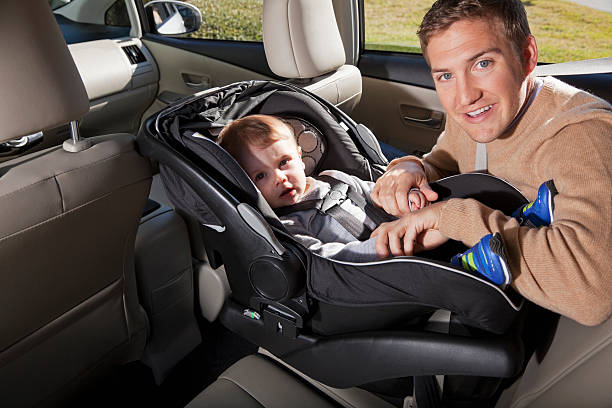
[[117, 15], [391, 25], [80, 24], [564, 30], [237, 20]]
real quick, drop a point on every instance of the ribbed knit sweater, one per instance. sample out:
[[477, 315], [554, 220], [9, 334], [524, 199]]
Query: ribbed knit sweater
[[564, 135]]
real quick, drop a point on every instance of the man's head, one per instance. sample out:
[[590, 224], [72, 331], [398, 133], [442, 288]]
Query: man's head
[[480, 53], [266, 148]]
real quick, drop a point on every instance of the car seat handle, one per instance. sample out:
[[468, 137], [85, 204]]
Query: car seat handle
[[260, 226]]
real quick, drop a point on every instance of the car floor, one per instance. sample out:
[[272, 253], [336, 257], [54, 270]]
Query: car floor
[[133, 385]]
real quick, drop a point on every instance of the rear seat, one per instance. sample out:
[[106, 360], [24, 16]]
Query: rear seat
[[259, 380]]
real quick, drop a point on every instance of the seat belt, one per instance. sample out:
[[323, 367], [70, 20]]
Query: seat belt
[[480, 163]]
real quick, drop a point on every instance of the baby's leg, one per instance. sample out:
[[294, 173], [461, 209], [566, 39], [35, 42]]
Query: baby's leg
[[538, 213], [487, 257]]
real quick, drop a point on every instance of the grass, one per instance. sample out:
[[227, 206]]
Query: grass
[[565, 31], [238, 20]]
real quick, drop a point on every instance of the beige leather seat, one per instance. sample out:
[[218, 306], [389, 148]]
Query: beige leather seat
[[68, 218], [575, 372], [302, 42], [260, 380]]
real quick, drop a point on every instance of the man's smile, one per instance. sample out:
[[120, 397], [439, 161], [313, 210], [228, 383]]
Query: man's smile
[[479, 115], [479, 111]]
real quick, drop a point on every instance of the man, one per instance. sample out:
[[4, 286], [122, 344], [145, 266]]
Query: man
[[481, 55]]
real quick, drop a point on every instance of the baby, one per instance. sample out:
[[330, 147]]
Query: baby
[[266, 148]]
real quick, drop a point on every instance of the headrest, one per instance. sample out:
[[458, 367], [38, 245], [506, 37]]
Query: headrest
[[41, 87], [301, 38]]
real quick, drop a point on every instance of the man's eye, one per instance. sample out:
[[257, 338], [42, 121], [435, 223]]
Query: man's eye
[[446, 76], [484, 63]]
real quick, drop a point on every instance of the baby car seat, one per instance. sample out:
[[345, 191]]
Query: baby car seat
[[344, 324]]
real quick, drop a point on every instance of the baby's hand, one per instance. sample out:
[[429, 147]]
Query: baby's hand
[[416, 199]]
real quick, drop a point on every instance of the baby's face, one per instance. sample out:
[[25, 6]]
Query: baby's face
[[277, 171]]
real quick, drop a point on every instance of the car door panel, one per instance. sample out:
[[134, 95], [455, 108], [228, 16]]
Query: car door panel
[[399, 103], [395, 84], [119, 89], [398, 113], [188, 66]]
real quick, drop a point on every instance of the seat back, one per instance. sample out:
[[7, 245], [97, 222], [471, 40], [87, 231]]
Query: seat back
[[574, 371], [302, 43], [67, 226]]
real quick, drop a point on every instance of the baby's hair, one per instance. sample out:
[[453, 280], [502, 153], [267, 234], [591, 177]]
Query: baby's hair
[[255, 130]]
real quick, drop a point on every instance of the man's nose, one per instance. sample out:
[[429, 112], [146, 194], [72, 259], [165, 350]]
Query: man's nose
[[468, 91]]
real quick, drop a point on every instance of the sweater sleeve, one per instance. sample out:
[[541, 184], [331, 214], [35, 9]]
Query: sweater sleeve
[[564, 267]]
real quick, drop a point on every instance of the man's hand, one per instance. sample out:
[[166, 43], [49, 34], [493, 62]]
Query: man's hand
[[415, 232], [392, 188]]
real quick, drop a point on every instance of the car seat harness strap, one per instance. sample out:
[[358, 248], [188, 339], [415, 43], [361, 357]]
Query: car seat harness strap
[[341, 202]]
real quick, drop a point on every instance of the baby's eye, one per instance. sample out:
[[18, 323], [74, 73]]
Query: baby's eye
[[259, 176], [284, 162]]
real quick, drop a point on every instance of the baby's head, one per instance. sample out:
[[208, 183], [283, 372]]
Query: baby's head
[[266, 148]]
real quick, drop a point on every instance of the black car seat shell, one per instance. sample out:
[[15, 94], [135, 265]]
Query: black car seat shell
[[277, 300]]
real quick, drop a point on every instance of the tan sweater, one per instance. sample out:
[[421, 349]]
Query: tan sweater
[[565, 135]]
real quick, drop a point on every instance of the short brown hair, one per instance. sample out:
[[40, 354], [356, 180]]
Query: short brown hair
[[255, 130], [510, 13]]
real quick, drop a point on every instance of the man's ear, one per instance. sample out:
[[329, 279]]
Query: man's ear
[[530, 54]]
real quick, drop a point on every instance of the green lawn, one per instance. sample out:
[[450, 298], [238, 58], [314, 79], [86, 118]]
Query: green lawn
[[238, 20], [564, 31]]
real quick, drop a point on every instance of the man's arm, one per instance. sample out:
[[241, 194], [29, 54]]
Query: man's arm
[[564, 267], [392, 188]]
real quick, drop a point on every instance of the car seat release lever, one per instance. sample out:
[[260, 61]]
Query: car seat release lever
[[280, 323]]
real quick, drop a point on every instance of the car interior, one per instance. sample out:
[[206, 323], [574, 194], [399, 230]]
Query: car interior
[[111, 295]]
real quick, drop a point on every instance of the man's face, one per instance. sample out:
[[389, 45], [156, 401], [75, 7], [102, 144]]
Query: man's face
[[479, 77], [277, 170]]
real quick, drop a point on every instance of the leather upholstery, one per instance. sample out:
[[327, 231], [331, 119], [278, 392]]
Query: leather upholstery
[[254, 382], [301, 38], [41, 87], [67, 232], [302, 42], [69, 307], [574, 371]]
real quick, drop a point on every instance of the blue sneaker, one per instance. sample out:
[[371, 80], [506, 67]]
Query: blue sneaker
[[488, 258], [539, 212]]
